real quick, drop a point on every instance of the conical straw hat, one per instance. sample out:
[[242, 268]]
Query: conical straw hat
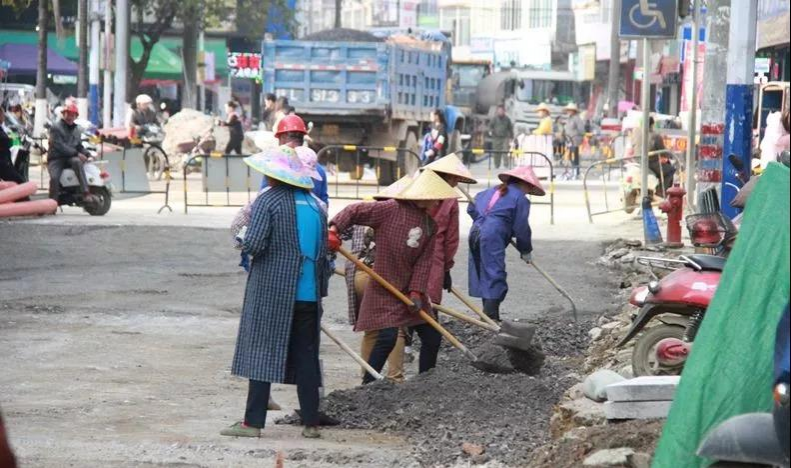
[[525, 174], [542, 107], [571, 107], [451, 164], [427, 186], [394, 189], [283, 164]]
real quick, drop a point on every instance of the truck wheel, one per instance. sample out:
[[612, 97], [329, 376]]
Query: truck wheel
[[454, 145], [406, 162]]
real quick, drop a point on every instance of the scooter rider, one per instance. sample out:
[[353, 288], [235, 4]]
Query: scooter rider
[[66, 150], [142, 115]]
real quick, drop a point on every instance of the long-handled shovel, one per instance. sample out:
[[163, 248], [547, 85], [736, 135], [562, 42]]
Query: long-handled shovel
[[426, 317], [466, 300], [351, 353], [533, 263], [509, 334]]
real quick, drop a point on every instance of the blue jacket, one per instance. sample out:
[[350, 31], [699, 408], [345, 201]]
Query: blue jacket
[[489, 238]]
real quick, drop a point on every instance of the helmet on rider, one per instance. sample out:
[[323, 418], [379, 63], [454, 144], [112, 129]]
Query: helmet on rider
[[143, 99], [291, 124], [706, 232], [71, 108]]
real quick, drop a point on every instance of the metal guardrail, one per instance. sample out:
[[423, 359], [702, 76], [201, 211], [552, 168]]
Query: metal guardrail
[[205, 169], [609, 163]]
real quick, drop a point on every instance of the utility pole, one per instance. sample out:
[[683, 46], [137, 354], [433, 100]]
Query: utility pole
[[41, 72], [712, 106], [739, 101], [82, 46], [645, 97], [107, 87], [93, 76], [121, 62], [338, 5], [693, 106], [613, 78]]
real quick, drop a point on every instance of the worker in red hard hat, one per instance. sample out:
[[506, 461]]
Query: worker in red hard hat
[[66, 150], [291, 131]]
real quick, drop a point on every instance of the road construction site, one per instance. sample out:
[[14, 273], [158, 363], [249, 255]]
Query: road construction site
[[117, 337]]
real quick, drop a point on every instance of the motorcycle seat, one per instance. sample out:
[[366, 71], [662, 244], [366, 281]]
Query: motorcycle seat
[[708, 262]]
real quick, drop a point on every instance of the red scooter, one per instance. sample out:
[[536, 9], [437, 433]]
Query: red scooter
[[679, 300]]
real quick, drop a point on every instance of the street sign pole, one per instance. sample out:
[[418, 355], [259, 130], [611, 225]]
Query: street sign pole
[[645, 96], [692, 123]]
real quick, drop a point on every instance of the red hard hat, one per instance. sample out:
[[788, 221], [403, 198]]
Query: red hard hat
[[71, 108], [291, 123]]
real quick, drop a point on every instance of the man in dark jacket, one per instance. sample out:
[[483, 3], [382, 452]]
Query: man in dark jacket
[[66, 150], [502, 131]]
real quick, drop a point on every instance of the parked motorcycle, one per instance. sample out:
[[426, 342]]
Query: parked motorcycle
[[679, 300]]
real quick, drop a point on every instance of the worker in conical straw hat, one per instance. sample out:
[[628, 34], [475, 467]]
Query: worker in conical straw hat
[[545, 124], [446, 215], [499, 214], [278, 340], [363, 247], [404, 235], [574, 131]]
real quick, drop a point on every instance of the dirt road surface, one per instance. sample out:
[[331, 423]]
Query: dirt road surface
[[116, 343]]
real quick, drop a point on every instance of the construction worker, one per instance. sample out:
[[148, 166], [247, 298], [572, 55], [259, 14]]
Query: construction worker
[[574, 132], [499, 214], [501, 130], [291, 131], [446, 215], [404, 235], [545, 124], [364, 247], [278, 340]]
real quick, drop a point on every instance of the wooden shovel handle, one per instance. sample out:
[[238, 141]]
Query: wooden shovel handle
[[351, 353], [466, 300], [465, 318], [403, 298]]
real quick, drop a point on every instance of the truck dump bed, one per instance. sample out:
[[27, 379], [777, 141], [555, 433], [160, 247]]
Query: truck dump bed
[[362, 79]]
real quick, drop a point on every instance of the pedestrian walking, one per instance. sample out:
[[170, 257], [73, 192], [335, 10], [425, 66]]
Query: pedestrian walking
[[446, 216], [404, 235], [235, 132], [501, 130], [499, 214], [278, 340], [437, 138], [574, 132]]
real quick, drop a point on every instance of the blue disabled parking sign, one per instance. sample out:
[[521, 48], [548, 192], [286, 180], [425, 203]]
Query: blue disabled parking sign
[[648, 19]]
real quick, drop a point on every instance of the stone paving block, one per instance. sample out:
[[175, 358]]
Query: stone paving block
[[647, 388], [636, 409]]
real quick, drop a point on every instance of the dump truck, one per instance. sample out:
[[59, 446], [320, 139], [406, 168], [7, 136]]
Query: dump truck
[[378, 93]]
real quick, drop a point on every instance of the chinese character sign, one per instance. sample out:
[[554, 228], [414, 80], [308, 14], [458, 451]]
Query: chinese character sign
[[244, 65]]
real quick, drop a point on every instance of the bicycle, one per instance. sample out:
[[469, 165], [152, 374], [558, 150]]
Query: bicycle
[[156, 159]]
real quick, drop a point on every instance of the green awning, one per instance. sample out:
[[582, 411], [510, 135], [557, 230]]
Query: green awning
[[217, 46], [163, 64]]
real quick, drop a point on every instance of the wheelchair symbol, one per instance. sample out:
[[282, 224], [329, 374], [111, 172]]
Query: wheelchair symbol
[[647, 15]]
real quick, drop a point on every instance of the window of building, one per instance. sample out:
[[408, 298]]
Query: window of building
[[511, 15], [456, 20], [540, 13]]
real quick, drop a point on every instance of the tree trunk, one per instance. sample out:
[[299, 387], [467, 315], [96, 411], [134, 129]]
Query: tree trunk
[[41, 72], [338, 5], [189, 53], [82, 40]]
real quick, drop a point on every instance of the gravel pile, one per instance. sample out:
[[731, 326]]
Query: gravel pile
[[456, 413], [343, 35]]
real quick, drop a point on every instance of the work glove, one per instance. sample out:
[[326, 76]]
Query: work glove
[[447, 283], [333, 241], [527, 257], [417, 302]]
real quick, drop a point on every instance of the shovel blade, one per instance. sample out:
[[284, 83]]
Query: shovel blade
[[521, 330], [510, 341]]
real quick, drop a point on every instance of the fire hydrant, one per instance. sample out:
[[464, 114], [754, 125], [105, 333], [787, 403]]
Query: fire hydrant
[[673, 206]]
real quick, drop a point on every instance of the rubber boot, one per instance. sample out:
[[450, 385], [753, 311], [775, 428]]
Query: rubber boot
[[491, 307]]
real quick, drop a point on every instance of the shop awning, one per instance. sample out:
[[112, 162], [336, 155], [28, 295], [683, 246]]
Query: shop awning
[[163, 64], [24, 60], [216, 46]]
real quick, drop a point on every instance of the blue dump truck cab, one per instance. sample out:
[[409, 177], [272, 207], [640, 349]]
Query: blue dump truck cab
[[377, 94]]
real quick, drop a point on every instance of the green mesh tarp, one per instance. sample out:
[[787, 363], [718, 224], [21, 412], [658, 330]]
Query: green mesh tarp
[[730, 369]]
